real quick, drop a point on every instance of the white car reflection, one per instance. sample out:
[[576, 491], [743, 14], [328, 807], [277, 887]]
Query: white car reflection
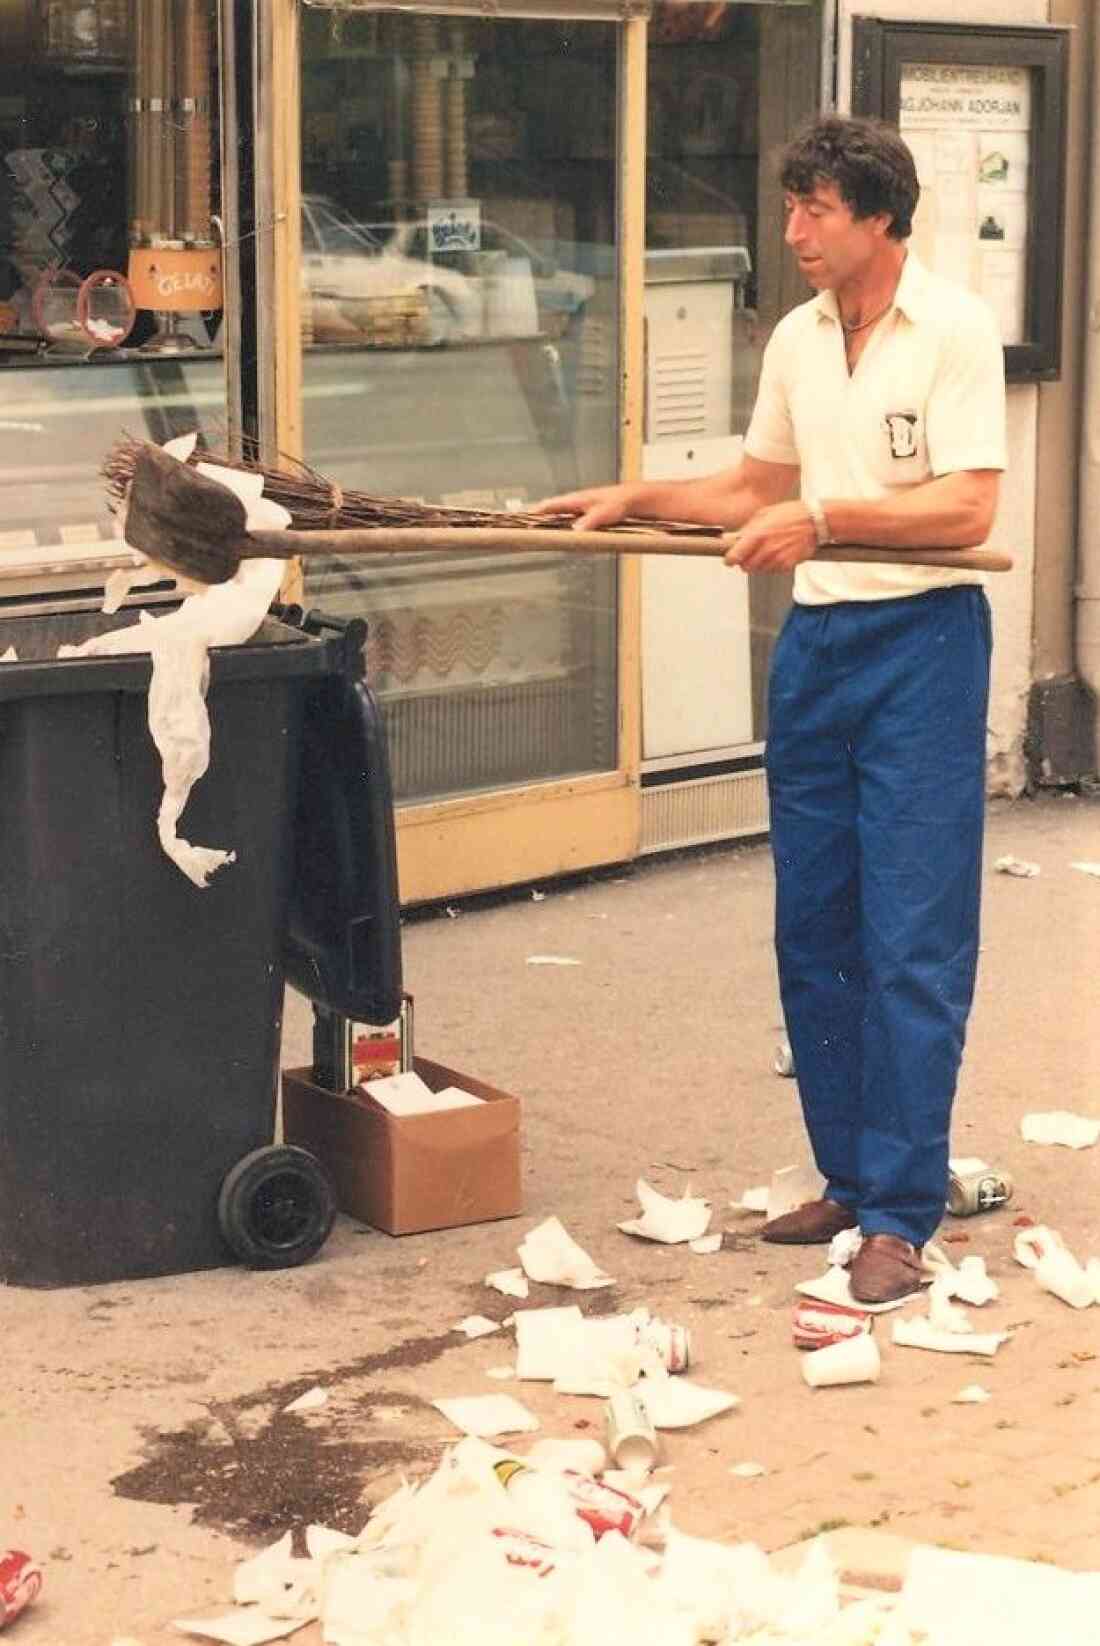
[[384, 281], [357, 285]]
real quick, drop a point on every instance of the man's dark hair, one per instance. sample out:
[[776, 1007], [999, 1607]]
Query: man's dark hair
[[866, 162]]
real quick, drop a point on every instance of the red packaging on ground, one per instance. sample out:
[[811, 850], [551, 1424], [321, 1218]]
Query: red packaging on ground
[[816, 1325], [20, 1582], [604, 1507]]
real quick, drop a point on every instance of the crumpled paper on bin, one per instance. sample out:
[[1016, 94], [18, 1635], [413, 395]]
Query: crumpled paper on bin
[[226, 614]]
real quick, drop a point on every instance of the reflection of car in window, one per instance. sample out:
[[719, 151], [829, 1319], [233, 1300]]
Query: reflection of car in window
[[366, 278], [356, 285]]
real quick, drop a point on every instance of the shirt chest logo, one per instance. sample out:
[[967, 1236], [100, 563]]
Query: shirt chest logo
[[902, 430]]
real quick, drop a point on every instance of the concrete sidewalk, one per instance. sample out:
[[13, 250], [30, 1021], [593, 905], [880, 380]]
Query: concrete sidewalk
[[143, 1445]]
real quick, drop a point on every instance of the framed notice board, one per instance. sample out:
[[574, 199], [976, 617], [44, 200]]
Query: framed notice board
[[983, 110]]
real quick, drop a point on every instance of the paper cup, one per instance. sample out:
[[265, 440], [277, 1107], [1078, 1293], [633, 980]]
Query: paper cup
[[856, 1360]]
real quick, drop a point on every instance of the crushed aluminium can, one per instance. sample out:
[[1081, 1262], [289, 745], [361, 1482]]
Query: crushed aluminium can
[[671, 1344], [20, 1582], [980, 1191]]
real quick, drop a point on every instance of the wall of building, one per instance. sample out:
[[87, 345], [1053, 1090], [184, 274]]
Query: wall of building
[[1011, 596]]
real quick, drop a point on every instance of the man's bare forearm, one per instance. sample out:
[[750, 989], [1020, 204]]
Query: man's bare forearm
[[953, 512]]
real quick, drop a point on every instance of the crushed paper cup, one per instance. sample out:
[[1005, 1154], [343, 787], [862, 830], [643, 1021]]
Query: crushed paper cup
[[677, 1403], [666, 1220], [918, 1332], [818, 1324], [550, 1255], [1016, 866], [487, 1416], [855, 1360], [1055, 1267], [1073, 1131]]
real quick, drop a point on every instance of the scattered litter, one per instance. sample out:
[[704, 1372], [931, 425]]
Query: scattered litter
[[816, 1325], [311, 1401], [706, 1245], [843, 1248], [477, 1326], [550, 1255], [833, 1287], [676, 1403], [243, 1628], [488, 1415], [971, 1284], [1087, 868], [632, 1440], [277, 1583], [974, 1186], [538, 897], [793, 1186], [547, 1339], [1016, 866], [1055, 1267], [953, 1598], [753, 1200], [854, 1360], [973, 1395], [1074, 1131], [20, 1583], [551, 960], [918, 1332], [667, 1220], [596, 1356], [747, 1471], [512, 1282], [582, 1455], [944, 1315]]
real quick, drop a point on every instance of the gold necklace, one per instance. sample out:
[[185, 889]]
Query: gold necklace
[[861, 325]]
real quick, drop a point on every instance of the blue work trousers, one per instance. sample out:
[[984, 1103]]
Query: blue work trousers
[[876, 778]]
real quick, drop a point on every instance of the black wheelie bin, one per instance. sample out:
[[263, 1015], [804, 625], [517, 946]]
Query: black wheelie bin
[[140, 1015]]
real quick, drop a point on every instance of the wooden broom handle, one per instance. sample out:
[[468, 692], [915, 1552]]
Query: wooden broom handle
[[361, 540]]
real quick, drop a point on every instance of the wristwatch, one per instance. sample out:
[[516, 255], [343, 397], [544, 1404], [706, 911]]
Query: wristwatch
[[821, 525]]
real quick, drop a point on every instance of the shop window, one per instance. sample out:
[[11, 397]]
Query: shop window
[[459, 311], [110, 272], [727, 85]]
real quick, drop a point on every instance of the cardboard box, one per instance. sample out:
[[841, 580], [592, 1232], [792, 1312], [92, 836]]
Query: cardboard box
[[416, 1172]]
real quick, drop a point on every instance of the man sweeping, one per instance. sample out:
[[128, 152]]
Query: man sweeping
[[880, 420]]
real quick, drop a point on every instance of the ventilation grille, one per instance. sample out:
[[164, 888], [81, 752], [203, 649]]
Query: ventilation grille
[[678, 395], [490, 737], [706, 808]]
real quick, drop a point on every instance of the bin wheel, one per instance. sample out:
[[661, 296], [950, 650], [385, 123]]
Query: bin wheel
[[276, 1207]]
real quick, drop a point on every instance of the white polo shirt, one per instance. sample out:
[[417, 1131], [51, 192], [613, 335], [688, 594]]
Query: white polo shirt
[[926, 398]]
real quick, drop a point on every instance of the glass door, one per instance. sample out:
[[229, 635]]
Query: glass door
[[459, 312]]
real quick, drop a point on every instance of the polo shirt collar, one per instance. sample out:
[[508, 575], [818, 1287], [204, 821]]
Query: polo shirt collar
[[911, 297]]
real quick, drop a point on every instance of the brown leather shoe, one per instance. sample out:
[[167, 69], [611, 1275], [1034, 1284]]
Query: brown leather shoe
[[886, 1267], [810, 1225]]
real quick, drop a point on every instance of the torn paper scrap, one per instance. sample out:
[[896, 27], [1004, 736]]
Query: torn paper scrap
[[843, 1248], [943, 1315], [956, 1599], [667, 1220], [919, 1333], [677, 1403], [408, 1093], [10, 656], [1073, 1131], [550, 1255], [974, 1394], [971, 1284], [244, 1628], [311, 1401], [551, 960], [1016, 866], [1087, 868], [512, 1282], [488, 1415], [478, 1326], [278, 1583], [547, 1340], [747, 1471], [1055, 1267], [706, 1245], [754, 1200], [834, 1287]]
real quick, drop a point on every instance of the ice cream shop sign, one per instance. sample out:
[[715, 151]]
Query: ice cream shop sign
[[180, 279]]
